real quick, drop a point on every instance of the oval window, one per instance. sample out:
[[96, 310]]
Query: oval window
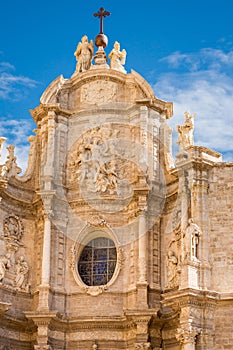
[[97, 262]]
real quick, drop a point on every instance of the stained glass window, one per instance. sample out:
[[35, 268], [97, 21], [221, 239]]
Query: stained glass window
[[97, 262]]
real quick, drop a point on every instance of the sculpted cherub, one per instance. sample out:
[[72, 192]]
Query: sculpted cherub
[[84, 54]]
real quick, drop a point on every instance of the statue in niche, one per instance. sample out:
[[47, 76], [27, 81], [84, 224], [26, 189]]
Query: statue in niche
[[84, 54], [185, 132], [192, 234], [172, 269], [5, 264], [21, 270], [117, 58]]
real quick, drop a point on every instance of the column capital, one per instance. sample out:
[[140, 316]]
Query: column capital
[[47, 197], [186, 334]]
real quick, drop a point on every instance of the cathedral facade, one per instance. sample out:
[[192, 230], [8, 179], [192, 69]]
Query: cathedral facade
[[107, 242]]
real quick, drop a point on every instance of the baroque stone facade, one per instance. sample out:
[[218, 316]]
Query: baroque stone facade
[[107, 242]]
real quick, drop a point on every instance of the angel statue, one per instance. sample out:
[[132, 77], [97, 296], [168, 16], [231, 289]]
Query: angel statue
[[117, 58], [84, 54]]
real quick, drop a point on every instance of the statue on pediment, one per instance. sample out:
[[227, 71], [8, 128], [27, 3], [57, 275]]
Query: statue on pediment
[[10, 168], [84, 54], [185, 132], [117, 58]]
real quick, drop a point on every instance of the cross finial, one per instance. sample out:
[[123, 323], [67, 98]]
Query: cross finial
[[102, 14]]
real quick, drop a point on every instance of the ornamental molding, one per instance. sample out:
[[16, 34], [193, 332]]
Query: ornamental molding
[[187, 334], [87, 234], [99, 91]]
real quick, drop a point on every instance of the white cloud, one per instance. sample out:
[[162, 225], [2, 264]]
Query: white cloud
[[13, 86], [205, 59], [202, 83]]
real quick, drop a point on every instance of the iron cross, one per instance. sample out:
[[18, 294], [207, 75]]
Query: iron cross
[[102, 14]]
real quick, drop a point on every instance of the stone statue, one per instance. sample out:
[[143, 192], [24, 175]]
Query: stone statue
[[193, 232], [117, 58], [172, 269], [5, 263], [185, 132], [10, 168], [84, 54], [21, 270]]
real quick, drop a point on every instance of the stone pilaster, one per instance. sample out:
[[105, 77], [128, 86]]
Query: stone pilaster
[[142, 248], [142, 263], [47, 197], [49, 166]]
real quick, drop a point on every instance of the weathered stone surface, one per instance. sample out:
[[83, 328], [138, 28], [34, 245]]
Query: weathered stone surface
[[101, 166]]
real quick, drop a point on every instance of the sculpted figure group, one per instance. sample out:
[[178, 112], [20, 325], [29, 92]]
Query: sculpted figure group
[[85, 51], [17, 266]]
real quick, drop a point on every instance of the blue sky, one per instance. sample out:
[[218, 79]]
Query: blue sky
[[184, 49]]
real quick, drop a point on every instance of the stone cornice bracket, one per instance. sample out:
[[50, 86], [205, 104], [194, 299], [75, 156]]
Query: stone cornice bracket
[[187, 334], [42, 110], [42, 320], [142, 332]]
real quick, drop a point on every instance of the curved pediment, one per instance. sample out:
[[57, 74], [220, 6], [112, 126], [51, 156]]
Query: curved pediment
[[102, 88]]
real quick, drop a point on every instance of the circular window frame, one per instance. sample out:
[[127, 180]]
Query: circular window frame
[[84, 238]]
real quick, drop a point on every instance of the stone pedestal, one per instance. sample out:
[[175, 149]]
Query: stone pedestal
[[100, 59]]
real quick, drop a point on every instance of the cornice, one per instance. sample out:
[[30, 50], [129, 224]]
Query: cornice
[[41, 111]]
